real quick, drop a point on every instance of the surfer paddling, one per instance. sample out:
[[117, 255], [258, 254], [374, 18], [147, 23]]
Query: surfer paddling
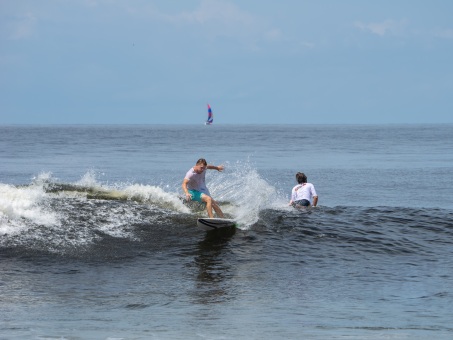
[[194, 186], [303, 193]]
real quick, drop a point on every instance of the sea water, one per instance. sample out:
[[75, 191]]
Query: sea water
[[96, 243]]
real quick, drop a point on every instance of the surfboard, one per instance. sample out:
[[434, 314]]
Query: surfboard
[[215, 223]]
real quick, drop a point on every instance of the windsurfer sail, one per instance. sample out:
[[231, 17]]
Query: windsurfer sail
[[210, 116]]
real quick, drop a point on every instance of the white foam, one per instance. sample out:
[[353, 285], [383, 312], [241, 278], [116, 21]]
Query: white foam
[[21, 204], [139, 192], [42, 179], [156, 195], [88, 180], [23, 210]]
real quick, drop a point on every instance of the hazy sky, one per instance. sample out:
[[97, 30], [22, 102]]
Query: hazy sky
[[254, 61]]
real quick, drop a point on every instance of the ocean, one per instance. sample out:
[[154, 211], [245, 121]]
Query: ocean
[[96, 242]]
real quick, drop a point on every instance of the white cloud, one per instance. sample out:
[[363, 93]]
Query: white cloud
[[444, 33], [274, 34], [91, 3], [23, 27], [383, 28], [212, 13], [217, 18], [216, 12]]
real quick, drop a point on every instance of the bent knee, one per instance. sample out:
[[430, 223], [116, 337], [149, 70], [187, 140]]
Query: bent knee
[[207, 199]]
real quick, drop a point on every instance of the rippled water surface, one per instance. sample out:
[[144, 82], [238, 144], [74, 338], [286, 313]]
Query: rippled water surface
[[95, 241]]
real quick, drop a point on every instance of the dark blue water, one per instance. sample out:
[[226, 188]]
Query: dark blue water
[[96, 243]]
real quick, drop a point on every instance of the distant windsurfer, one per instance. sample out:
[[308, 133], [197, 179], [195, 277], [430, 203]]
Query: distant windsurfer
[[303, 194], [194, 186], [210, 116]]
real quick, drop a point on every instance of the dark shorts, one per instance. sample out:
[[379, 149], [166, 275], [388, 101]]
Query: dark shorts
[[303, 203]]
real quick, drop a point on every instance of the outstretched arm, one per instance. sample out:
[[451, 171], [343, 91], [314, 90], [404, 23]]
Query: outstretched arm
[[214, 167]]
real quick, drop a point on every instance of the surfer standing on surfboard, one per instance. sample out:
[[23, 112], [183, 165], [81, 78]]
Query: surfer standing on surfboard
[[194, 186]]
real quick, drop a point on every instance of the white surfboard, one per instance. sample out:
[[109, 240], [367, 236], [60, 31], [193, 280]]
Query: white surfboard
[[215, 223]]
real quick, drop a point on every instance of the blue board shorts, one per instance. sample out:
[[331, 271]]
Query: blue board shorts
[[196, 195]]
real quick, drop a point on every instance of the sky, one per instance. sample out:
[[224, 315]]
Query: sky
[[253, 61]]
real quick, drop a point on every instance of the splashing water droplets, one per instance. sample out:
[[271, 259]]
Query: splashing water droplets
[[247, 192]]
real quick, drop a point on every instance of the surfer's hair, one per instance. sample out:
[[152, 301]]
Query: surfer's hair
[[202, 161], [301, 178]]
